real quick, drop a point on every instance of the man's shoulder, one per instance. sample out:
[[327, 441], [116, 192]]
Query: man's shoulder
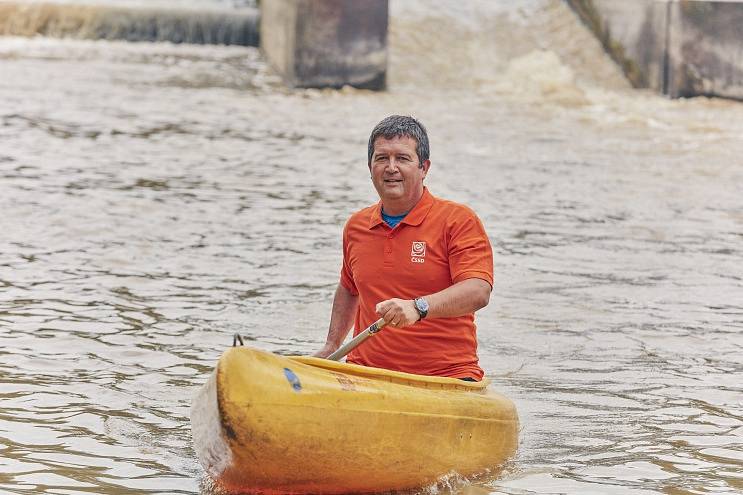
[[362, 216], [451, 208]]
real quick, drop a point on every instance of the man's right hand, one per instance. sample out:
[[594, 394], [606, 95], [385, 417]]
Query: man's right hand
[[326, 351], [398, 312]]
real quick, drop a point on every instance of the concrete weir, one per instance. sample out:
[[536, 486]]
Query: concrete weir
[[680, 48], [326, 43], [209, 26]]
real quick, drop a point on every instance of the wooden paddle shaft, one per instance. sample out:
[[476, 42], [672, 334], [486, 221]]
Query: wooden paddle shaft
[[356, 341]]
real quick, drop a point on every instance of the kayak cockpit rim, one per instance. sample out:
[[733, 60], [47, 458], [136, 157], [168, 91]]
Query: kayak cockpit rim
[[390, 375]]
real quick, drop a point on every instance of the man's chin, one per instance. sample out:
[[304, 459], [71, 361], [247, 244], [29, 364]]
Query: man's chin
[[392, 195]]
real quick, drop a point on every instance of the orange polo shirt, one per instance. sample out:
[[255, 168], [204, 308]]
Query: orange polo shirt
[[438, 244]]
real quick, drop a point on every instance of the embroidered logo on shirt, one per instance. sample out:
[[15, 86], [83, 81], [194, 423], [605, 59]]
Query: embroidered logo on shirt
[[418, 252]]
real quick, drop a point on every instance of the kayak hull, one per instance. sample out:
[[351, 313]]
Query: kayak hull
[[267, 423]]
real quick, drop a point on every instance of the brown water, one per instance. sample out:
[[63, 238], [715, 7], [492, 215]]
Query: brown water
[[156, 199]]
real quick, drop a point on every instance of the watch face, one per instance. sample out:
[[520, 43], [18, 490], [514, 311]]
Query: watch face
[[422, 305]]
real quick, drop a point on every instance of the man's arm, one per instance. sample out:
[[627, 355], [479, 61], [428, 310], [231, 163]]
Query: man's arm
[[464, 297], [341, 320]]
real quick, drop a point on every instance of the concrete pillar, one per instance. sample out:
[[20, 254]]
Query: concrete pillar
[[677, 47], [326, 43], [705, 49]]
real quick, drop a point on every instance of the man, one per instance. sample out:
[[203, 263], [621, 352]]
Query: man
[[422, 263]]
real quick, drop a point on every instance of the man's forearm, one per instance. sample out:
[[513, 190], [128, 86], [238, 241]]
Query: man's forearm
[[460, 299], [341, 316]]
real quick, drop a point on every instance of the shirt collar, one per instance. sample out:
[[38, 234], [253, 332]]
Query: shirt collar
[[414, 216]]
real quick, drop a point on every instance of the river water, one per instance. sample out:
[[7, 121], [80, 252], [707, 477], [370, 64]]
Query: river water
[[158, 198]]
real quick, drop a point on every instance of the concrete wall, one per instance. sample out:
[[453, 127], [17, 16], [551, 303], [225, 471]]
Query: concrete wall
[[633, 32], [326, 43], [705, 49], [677, 47]]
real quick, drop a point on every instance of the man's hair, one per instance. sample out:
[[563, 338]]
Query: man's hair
[[402, 126]]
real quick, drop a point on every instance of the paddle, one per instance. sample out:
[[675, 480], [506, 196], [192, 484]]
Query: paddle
[[356, 341]]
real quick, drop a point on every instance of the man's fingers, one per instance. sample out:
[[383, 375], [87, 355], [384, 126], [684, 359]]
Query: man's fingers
[[393, 312], [391, 318], [382, 308], [385, 307]]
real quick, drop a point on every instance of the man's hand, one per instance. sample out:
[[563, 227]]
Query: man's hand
[[326, 351], [398, 312]]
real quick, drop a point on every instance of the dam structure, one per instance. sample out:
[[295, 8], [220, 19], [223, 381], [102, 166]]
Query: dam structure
[[679, 48], [310, 43]]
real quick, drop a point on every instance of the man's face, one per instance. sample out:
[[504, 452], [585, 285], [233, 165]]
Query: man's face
[[396, 173]]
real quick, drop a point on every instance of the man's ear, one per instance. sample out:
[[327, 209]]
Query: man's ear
[[425, 166]]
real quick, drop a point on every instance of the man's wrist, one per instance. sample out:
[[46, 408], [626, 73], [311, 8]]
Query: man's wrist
[[416, 311], [421, 306]]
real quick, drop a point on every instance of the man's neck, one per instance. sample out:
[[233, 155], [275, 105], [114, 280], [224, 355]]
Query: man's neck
[[394, 208]]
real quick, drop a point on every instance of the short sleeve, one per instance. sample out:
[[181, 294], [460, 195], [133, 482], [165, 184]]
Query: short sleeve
[[347, 280], [470, 253]]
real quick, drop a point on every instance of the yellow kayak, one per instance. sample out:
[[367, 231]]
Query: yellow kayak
[[268, 423]]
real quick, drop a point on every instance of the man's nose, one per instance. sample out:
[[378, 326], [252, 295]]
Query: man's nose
[[392, 165]]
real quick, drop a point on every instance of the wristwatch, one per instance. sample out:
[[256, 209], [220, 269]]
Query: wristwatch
[[421, 306]]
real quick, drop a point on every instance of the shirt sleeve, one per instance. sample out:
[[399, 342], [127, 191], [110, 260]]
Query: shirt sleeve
[[470, 253], [347, 280]]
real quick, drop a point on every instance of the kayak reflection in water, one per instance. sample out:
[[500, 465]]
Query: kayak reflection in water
[[422, 263]]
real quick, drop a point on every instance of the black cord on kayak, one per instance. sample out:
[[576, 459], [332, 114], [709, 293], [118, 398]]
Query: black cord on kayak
[[237, 338]]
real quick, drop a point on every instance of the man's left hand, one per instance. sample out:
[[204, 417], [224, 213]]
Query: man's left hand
[[398, 312]]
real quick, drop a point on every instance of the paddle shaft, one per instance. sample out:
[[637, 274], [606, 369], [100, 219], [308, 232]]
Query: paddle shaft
[[356, 341]]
